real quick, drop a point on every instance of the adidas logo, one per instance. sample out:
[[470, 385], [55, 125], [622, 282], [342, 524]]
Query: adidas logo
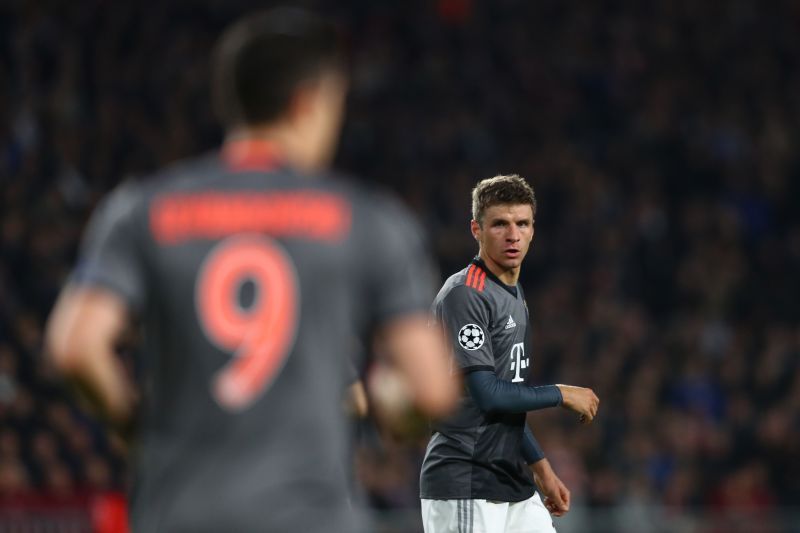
[[510, 324]]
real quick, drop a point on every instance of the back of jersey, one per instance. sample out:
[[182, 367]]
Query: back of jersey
[[253, 284]]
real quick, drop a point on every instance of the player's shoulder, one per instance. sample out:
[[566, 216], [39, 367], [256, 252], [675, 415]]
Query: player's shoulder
[[132, 197], [472, 278], [464, 286], [138, 189], [181, 175], [121, 202], [123, 198]]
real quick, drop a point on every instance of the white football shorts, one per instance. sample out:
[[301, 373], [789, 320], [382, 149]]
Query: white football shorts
[[486, 516]]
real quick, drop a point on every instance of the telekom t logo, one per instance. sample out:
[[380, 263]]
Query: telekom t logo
[[517, 361]]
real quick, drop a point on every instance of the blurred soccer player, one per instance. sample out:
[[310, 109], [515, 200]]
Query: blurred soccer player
[[474, 476], [249, 270]]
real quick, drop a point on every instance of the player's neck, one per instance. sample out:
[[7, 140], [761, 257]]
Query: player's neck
[[286, 143], [507, 276]]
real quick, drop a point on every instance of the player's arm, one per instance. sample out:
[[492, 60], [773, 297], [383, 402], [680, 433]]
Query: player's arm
[[82, 334], [401, 280], [419, 354], [556, 495], [464, 308], [92, 312], [531, 450], [355, 401], [494, 395]]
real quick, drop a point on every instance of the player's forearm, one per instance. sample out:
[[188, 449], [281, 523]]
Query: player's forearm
[[542, 471], [98, 376], [107, 386], [80, 340], [494, 395]]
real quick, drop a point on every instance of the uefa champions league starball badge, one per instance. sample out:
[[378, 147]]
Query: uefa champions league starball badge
[[471, 337]]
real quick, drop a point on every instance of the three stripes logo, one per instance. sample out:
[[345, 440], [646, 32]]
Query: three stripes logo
[[510, 324], [476, 277]]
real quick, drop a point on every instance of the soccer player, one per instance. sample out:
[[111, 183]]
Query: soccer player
[[474, 476], [250, 271]]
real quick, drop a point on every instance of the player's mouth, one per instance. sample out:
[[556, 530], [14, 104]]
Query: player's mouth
[[511, 253]]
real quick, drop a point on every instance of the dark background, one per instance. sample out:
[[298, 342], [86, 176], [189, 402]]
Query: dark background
[[665, 273]]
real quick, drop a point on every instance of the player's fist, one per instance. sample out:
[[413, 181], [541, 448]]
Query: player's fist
[[581, 400]]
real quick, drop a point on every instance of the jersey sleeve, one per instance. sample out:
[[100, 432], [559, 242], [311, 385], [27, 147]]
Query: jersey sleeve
[[493, 395], [465, 317], [531, 450], [400, 272], [110, 255]]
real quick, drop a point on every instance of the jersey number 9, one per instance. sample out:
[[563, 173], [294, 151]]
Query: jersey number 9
[[260, 336]]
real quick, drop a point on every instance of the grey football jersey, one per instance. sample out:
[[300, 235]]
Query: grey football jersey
[[473, 454], [251, 282]]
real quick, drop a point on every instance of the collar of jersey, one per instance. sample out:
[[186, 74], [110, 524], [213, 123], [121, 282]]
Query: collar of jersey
[[510, 289], [251, 154]]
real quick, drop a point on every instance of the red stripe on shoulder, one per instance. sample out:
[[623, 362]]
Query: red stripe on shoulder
[[469, 275], [482, 281], [476, 276]]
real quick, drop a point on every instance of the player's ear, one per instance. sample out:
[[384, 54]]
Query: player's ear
[[475, 228], [306, 98], [302, 100]]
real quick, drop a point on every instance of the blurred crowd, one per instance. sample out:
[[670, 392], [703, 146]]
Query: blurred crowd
[[659, 137]]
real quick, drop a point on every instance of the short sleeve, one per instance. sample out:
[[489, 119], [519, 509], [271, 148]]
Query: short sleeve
[[110, 254], [400, 271], [465, 316]]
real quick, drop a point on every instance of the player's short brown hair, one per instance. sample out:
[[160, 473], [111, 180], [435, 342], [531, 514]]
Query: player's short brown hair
[[510, 189], [261, 59]]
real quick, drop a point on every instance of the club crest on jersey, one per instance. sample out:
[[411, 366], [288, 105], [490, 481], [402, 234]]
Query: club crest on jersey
[[510, 324], [471, 337]]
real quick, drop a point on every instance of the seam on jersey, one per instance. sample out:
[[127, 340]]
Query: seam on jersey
[[479, 430]]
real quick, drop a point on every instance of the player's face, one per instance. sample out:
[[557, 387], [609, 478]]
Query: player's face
[[505, 235]]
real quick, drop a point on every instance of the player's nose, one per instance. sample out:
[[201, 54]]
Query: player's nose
[[513, 234]]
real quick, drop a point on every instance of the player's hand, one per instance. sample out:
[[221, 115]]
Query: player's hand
[[581, 400], [556, 495]]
